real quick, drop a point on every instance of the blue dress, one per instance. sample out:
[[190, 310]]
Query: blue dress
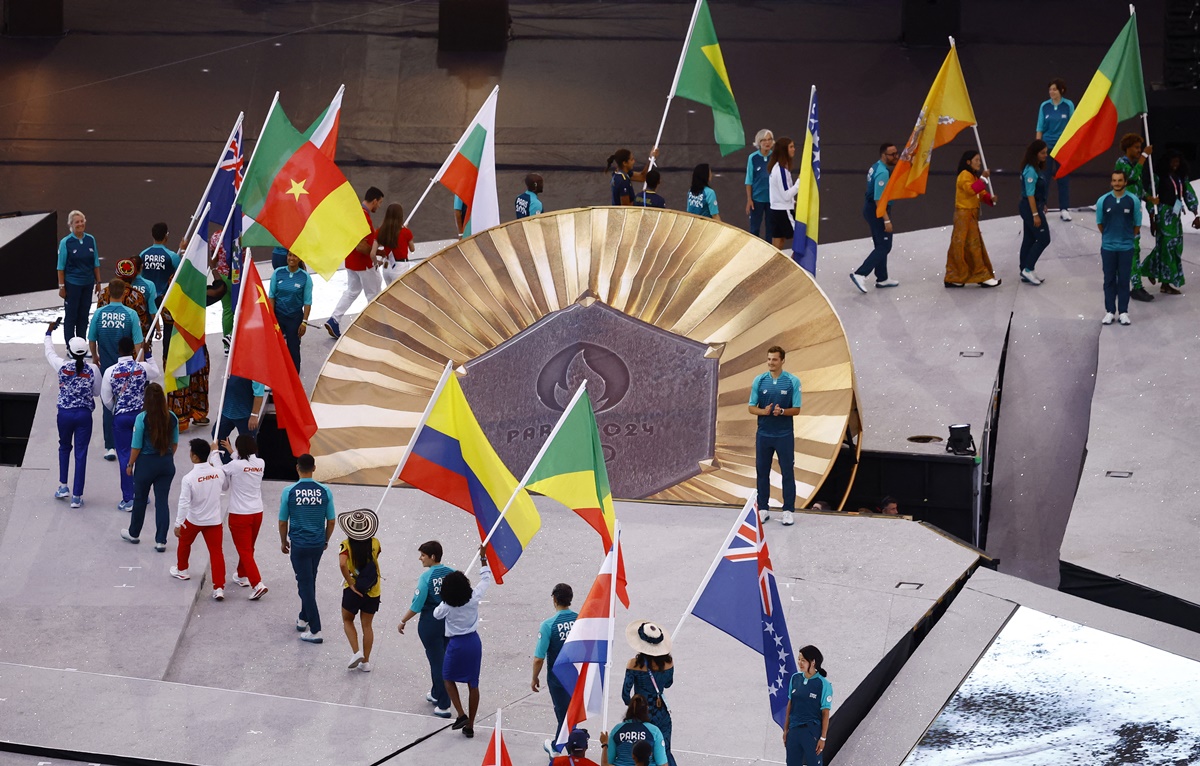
[[643, 682]]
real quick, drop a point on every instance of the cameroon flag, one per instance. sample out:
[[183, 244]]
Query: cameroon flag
[[1116, 92], [571, 470], [702, 78], [295, 192]]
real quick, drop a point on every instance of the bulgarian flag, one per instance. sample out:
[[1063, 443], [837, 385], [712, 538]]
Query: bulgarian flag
[[701, 77], [570, 469], [1116, 92], [297, 195], [186, 300], [946, 112], [470, 170]]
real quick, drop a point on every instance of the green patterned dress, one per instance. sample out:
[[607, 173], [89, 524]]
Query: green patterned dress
[[1133, 185], [1165, 262]]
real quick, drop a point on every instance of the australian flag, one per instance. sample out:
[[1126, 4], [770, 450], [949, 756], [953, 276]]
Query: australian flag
[[221, 198], [741, 598]]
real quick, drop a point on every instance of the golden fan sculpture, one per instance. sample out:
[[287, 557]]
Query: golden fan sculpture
[[667, 315]]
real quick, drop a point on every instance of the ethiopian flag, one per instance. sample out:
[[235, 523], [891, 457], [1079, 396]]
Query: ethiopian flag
[[1116, 92], [570, 469], [470, 170], [295, 192], [946, 112], [186, 301], [701, 77]]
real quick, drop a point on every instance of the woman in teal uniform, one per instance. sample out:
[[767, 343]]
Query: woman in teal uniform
[[806, 723], [618, 745]]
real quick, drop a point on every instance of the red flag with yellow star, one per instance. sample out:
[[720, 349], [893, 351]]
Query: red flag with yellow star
[[295, 195], [260, 353]]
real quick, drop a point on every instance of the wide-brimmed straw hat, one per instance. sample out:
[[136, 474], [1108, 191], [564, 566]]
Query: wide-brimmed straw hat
[[359, 525], [646, 637]]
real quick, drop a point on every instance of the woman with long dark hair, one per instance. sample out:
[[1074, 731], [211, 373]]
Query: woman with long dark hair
[[783, 192], [395, 242], [618, 744], [78, 385], [620, 163], [245, 472], [806, 722], [464, 651], [1032, 208], [967, 259], [649, 674], [152, 464], [1175, 195], [358, 558], [701, 199]]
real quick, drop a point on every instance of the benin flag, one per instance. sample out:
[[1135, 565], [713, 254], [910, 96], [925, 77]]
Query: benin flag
[[295, 192], [1116, 92], [571, 470], [470, 170], [947, 111], [702, 78], [260, 353], [186, 301]]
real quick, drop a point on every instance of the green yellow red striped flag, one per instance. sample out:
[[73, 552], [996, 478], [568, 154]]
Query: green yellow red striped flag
[[1116, 92], [186, 302]]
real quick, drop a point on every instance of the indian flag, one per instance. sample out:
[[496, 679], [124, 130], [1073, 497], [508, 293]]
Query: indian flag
[[701, 77], [470, 170], [294, 192], [186, 302], [570, 469], [1116, 92]]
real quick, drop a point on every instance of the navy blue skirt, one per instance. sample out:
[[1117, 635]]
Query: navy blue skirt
[[463, 657]]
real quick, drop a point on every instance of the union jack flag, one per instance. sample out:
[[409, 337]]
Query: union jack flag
[[724, 601], [221, 197]]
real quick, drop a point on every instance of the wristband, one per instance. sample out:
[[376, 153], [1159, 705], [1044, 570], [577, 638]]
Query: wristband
[[821, 740]]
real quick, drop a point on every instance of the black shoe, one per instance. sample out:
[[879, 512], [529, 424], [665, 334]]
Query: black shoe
[[468, 732], [459, 722], [953, 284], [1140, 294]]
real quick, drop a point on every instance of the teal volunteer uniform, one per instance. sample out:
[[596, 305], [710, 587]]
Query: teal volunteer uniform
[[109, 324], [775, 436], [432, 630], [292, 291], [758, 179], [1052, 120], [528, 204], [1119, 216], [877, 180], [306, 506], [78, 259], [628, 733], [552, 634]]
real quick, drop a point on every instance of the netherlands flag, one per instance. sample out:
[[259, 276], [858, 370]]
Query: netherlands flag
[[582, 664]]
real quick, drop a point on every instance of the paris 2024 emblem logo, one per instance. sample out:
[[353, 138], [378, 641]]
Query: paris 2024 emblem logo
[[606, 375]]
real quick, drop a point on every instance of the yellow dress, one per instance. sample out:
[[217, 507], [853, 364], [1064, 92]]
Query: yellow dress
[[967, 260]]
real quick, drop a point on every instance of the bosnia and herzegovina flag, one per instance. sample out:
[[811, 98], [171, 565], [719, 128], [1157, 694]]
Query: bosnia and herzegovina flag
[[1117, 92], [452, 459], [946, 112], [186, 300], [297, 195], [702, 77], [808, 198], [572, 471], [470, 170]]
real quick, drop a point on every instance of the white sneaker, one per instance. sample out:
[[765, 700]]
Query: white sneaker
[[364, 667], [243, 582], [442, 712], [180, 575], [430, 698], [128, 537], [1108, 318], [1037, 276], [1123, 318], [858, 281], [1030, 277], [788, 519], [219, 594], [355, 661], [110, 455], [993, 282], [260, 590], [764, 515], [1065, 214], [887, 283], [312, 638], [548, 746], [301, 625]]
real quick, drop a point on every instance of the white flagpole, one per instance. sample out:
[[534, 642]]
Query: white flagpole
[[237, 314], [257, 141], [978, 143], [612, 620], [162, 303], [1146, 131], [208, 187], [529, 471], [450, 157], [713, 567], [675, 82], [437, 390]]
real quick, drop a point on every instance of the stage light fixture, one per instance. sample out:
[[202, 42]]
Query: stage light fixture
[[961, 442]]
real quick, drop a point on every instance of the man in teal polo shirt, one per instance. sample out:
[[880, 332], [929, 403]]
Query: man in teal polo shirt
[[1119, 218], [291, 300], [78, 275], [775, 399], [109, 324], [552, 634]]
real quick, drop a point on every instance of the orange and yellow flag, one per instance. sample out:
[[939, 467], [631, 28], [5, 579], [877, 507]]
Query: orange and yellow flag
[[947, 111]]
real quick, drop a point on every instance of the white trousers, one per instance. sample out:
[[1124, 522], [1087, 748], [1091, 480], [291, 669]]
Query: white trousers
[[368, 282]]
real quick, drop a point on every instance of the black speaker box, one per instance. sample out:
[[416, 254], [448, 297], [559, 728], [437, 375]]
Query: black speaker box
[[472, 25]]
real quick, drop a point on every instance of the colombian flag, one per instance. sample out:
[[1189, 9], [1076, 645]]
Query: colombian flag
[[470, 170], [297, 195], [571, 470], [1116, 92], [451, 459], [946, 112], [808, 199]]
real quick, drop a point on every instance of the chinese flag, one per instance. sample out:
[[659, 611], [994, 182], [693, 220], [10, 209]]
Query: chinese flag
[[260, 353]]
